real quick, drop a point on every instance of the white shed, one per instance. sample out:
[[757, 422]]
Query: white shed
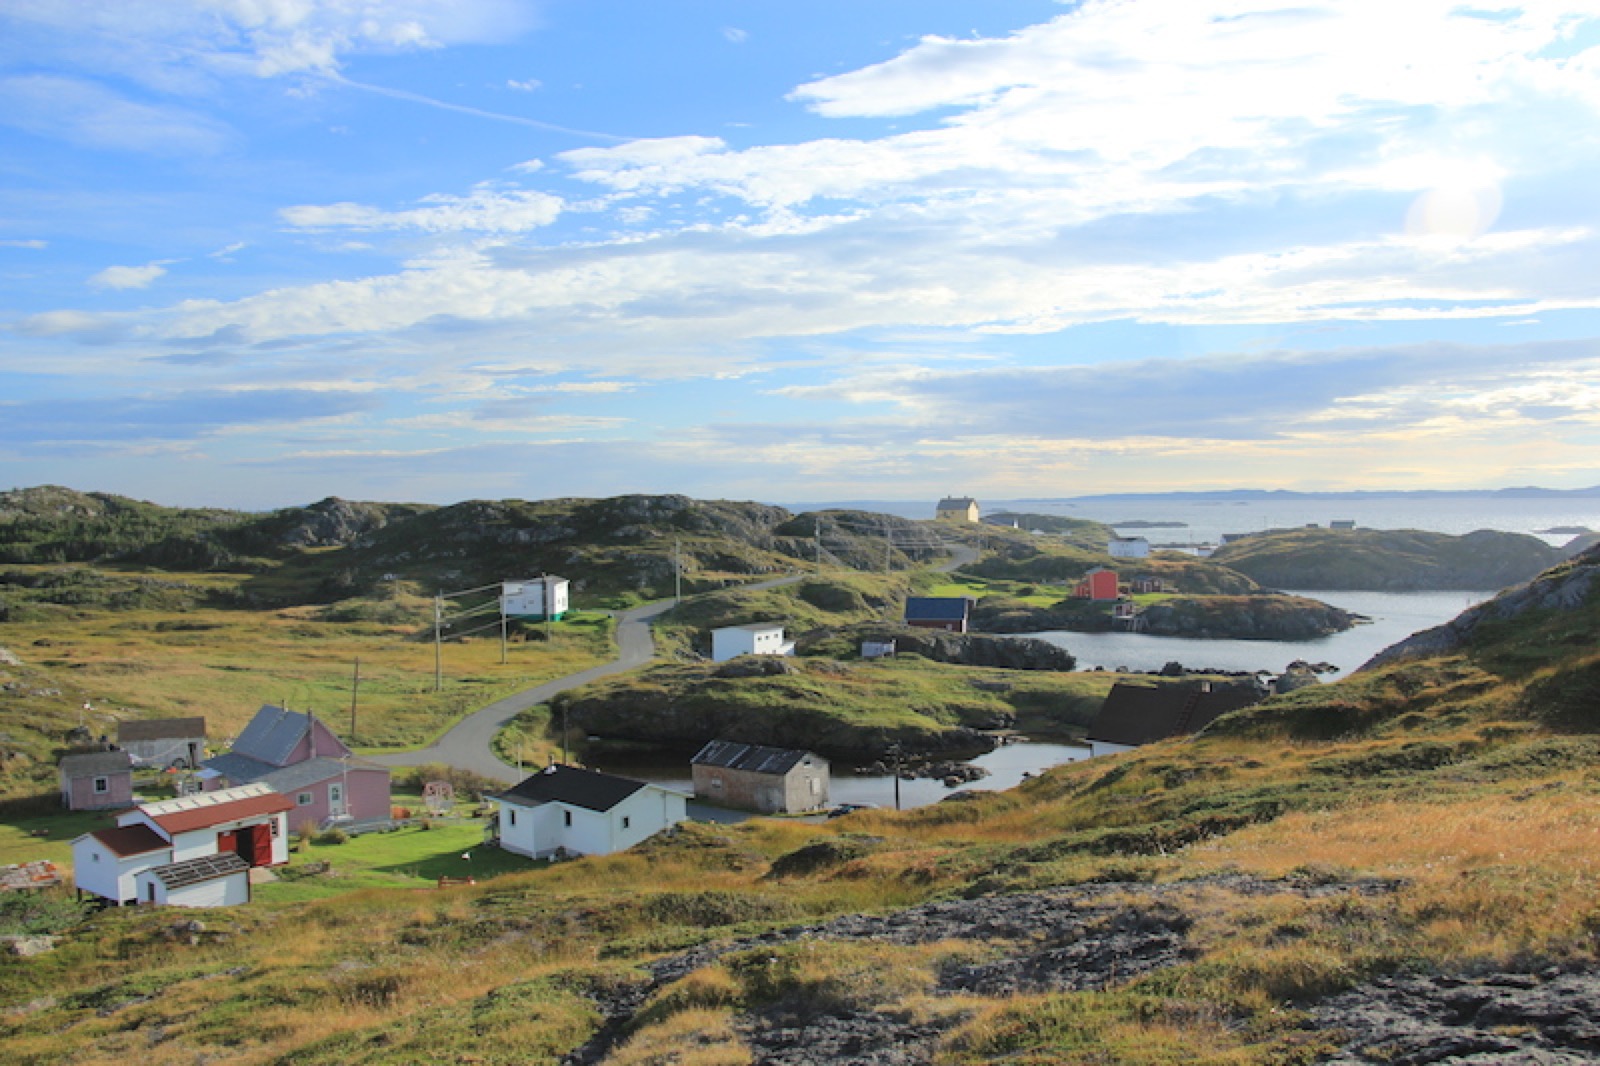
[[536, 597], [761, 638], [210, 881]]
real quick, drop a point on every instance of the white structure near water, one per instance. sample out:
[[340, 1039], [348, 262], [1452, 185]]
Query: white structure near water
[[536, 597], [761, 638], [1128, 548]]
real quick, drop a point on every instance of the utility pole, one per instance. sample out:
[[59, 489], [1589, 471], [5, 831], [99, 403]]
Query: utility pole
[[502, 626], [895, 751], [355, 683], [438, 653], [816, 541], [888, 548], [549, 609], [677, 573]]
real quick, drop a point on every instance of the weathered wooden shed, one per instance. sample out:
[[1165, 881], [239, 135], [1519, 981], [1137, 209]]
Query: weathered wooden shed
[[97, 781]]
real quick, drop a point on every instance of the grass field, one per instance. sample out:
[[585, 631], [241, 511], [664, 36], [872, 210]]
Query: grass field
[[1041, 596]]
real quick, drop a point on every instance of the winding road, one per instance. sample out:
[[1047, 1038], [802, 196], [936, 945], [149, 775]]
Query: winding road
[[469, 744]]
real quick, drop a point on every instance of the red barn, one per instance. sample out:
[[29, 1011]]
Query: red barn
[[1097, 584]]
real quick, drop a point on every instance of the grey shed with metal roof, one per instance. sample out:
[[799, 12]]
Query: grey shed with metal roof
[[759, 778]]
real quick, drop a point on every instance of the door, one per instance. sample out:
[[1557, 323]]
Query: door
[[336, 800]]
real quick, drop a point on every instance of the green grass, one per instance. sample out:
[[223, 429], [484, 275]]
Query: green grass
[[411, 857], [1041, 596]]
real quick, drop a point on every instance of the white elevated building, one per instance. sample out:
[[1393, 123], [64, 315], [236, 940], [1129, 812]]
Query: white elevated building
[[760, 638], [543, 598]]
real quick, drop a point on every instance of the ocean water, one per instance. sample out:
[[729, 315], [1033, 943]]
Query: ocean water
[[1394, 616]]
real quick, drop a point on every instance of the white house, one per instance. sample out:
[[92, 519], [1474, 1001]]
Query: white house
[[1128, 548], [761, 638], [536, 597], [247, 822], [583, 812]]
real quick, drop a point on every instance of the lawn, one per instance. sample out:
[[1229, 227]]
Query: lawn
[[411, 857], [1040, 596]]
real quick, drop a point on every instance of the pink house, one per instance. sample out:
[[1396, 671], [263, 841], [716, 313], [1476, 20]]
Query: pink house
[[97, 781], [298, 755], [1097, 584]]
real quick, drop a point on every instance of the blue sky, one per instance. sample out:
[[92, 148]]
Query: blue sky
[[258, 252]]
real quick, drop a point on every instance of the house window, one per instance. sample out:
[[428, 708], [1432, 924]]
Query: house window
[[275, 827], [102, 784], [566, 817], [816, 786], [95, 857], [303, 799], [511, 816], [626, 821], [716, 784]]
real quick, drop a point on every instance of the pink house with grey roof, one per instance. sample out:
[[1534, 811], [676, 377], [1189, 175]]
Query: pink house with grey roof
[[298, 755]]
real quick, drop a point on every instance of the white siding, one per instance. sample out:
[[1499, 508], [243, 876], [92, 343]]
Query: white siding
[[229, 891], [538, 831], [97, 869], [731, 641]]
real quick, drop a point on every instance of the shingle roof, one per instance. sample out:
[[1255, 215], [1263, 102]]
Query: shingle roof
[[161, 729], [194, 871], [571, 784], [205, 809], [1143, 714], [751, 627], [96, 764], [937, 608], [754, 758], [954, 503], [130, 840]]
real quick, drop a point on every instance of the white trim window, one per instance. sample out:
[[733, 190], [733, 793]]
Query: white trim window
[[303, 799], [102, 785]]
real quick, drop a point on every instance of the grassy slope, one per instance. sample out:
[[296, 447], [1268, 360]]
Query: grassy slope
[[1388, 559], [1441, 772]]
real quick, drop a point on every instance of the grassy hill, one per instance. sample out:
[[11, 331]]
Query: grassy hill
[[1398, 867], [1389, 560]]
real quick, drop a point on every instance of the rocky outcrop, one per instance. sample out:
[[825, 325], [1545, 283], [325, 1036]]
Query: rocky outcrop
[[1563, 588], [1551, 1018], [1268, 617], [964, 649]]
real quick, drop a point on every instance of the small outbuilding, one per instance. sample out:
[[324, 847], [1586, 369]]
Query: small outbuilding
[[757, 778], [575, 811], [162, 743], [760, 638], [1143, 714], [950, 613], [210, 881], [1097, 584], [545, 598], [97, 781]]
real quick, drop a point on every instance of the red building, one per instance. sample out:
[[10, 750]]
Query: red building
[[1097, 584]]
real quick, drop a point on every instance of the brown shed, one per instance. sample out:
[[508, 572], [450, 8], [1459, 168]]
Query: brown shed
[[97, 781]]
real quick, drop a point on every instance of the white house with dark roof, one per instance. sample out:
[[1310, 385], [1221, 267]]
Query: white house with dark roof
[[759, 778], [583, 812], [299, 756], [247, 823]]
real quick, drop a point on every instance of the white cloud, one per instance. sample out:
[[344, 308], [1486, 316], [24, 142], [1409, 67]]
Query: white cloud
[[487, 209], [128, 277], [36, 245], [528, 86], [734, 35]]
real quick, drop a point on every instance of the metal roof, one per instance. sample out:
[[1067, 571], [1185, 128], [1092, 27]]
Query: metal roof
[[755, 758], [161, 729], [937, 608], [272, 734], [96, 764], [573, 785], [195, 871], [203, 809]]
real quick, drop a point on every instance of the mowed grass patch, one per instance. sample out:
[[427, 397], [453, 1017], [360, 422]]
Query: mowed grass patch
[[410, 857]]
